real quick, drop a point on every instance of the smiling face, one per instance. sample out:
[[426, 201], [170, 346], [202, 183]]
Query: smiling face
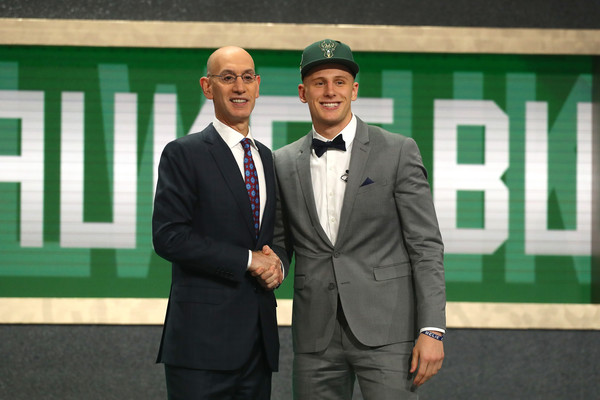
[[329, 91], [233, 103]]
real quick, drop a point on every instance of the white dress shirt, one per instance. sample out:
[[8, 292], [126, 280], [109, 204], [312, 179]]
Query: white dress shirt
[[329, 169], [233, 139]]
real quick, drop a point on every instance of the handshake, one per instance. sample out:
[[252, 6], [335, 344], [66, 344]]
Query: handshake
[[266, 268]]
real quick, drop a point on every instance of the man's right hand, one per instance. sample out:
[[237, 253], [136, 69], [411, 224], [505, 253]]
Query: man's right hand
[[266, 268]]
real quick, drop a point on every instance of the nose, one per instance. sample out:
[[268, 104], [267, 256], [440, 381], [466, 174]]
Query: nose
[[329, 89], [238, 85]]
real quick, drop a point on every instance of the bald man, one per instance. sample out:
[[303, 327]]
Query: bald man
[[213, 220]]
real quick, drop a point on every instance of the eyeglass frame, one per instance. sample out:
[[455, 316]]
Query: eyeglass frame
[[220, 76]]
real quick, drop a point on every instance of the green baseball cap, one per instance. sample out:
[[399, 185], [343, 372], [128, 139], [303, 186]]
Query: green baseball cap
[[327, 52]]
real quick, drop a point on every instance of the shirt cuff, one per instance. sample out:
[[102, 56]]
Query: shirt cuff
[[432, 329]]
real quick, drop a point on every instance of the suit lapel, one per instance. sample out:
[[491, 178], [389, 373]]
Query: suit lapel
[[231, 175], [303, 171], [358, 162]]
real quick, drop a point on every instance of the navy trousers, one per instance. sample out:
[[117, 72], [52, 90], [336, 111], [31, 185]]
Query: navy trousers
[[251, 382]]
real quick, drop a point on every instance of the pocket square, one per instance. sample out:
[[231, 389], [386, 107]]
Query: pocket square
[[367, 181]]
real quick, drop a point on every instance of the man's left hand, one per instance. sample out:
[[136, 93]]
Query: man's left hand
[[428, 355]]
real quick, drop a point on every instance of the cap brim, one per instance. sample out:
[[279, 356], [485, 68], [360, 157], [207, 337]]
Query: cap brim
[[352, 66]]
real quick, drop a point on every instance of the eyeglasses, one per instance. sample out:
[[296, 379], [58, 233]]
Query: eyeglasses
[[229, 79]]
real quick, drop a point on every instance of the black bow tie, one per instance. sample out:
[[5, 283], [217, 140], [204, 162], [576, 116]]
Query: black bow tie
[[321, 147]]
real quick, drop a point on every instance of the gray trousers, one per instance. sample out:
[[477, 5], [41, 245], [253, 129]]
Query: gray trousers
[[382, 372]]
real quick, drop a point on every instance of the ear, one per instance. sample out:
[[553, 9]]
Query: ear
[[302, 92], [354, 91], [257, 85], [206, 87]]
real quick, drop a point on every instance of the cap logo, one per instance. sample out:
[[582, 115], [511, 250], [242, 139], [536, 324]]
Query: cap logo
[[328, 47]]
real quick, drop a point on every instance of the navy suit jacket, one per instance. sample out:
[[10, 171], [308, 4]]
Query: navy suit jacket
[[202, 224]]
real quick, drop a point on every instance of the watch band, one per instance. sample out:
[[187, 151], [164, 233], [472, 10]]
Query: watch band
[[433, 335]]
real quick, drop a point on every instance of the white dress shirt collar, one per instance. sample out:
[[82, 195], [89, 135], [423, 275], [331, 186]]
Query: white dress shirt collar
[[230, 135], [348, 133]]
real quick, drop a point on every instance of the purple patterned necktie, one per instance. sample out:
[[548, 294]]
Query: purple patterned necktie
[[251, 179]]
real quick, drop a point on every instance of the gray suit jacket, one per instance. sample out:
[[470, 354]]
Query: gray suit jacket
[[386, 267]]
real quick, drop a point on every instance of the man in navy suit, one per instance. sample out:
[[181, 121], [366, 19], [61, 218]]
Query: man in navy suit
[[213, 220]]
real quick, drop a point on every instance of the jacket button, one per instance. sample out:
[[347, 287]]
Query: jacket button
[[336, 254], [331, 286]]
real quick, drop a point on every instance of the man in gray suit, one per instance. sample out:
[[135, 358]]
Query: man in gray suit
[[355, 208]]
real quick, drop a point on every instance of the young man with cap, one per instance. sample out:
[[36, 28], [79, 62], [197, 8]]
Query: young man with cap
[[356, 209]]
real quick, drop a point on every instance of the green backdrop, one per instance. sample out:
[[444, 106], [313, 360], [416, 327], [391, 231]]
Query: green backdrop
[[85, 121]]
